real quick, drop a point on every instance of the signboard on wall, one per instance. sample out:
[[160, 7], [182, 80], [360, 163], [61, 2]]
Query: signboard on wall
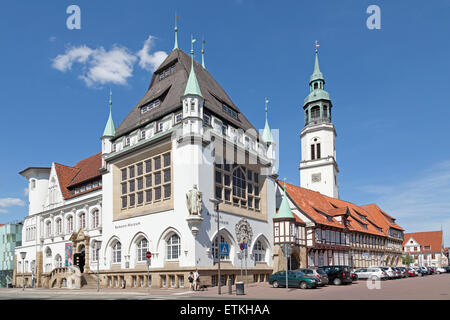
[[68, 254]]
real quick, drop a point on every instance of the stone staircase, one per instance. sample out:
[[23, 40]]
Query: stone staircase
[[88, 281]]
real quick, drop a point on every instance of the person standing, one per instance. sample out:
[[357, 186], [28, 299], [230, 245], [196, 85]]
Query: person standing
[[191, 281], [196, 280]]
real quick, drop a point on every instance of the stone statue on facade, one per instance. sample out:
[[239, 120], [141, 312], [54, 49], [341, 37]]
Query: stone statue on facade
[[194, 201]]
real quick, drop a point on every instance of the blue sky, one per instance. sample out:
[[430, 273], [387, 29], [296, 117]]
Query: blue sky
[[389, 86]]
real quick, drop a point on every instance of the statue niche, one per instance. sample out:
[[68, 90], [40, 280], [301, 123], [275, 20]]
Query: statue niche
[[194, 206]]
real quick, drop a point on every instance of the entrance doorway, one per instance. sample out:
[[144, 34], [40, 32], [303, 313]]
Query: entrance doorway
[[79, 258]]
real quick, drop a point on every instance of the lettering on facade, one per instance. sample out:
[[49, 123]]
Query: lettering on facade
[[127, 225]]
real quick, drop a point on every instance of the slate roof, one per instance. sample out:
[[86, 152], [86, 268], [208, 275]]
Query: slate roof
[[174, 85], [430, 238]]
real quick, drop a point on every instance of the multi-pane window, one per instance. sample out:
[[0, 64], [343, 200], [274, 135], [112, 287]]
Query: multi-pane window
[[59, 226], [315, 112], [147, 181], [117, 252], [173, 247], [70, 224], [259, 252], [95, 218], [82, 220], [216, 247], [58, 261], [142, 248], [49, 229], [237, 185]]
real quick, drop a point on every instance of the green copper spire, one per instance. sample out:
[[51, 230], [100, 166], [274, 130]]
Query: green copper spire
[[176, 33], [267, 134], [203, 54], [285, 210], [317, 75], [192, 86], [110, 129]]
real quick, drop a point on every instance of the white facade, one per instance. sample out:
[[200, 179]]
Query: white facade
[[319, 174]]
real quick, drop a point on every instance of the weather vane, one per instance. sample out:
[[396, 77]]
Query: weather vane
[[267, 102], [317, 45]]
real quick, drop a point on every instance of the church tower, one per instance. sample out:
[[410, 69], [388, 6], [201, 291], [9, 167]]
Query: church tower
[[318, 166]]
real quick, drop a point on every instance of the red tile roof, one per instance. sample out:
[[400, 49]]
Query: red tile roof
[[83, 171], [381, 218], [318, 206], [430, 238]]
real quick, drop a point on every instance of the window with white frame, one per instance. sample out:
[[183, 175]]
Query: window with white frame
[[142, 248], [117, 252], [259, 251], [59, 226], [82, 220], [95, 218], [58, 261], [143, 134], [49, 228], [70, 224], [173, 246]]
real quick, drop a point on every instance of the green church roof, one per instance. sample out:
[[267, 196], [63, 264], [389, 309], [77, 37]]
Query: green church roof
[[110, 129], [192, 86], [285, 210], [317, 75]]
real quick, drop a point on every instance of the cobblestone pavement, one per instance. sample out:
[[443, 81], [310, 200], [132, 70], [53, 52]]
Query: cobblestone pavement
[[421, 288]]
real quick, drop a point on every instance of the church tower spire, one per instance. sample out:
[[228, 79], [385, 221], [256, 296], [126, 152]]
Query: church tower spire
[[203, 54], [318, 166], [110, 129]]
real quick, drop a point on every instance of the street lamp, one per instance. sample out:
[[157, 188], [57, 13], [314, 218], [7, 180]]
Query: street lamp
[[23, 255], [216, 209], [98, 243]]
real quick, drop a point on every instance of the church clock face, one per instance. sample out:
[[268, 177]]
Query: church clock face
[[244, 231]]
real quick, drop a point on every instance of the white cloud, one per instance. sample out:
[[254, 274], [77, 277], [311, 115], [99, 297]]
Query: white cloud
[[64, 62], [100, 66], [9, 202], [421, 203], [114, 66], [149, 61]]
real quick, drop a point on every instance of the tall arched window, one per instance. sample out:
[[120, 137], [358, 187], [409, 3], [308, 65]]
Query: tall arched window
[[95, 218], [48, 252], [69, 224], [82, 220], [58, 261], [173, 247], [117, 252], [259, 251], [239, 185], [315, 149], [49, 228], [59, 226], [142, 248], [215, 249]]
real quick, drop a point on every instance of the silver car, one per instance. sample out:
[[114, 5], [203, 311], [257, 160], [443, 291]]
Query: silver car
[[372, 273], [316, 273]]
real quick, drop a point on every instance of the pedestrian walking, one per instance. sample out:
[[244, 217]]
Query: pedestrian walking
[[191, 281]]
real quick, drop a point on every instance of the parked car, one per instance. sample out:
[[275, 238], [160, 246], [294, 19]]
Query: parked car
[[403, 271], [424, 271], [295, 279], [337, 275], [319, 274], [398, 273], [354, 276], [372, 273], [411, 272], [440, 270], [447, 268], [390, 272], [429, 270], [432, 269]]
